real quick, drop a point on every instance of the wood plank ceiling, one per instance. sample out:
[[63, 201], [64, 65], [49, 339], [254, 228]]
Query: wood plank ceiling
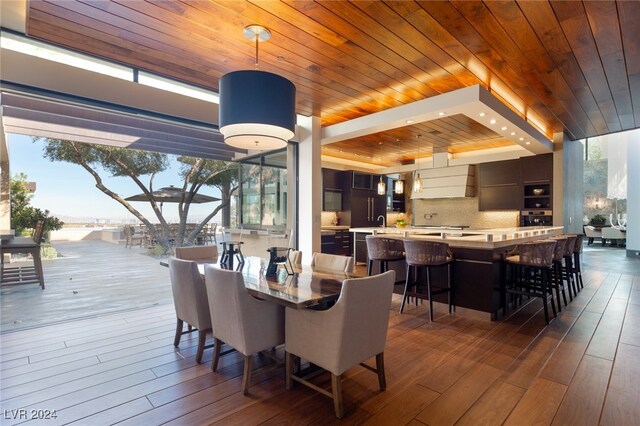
[[564, 66]]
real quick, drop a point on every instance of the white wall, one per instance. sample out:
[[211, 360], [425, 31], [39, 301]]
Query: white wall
[[309, 187]]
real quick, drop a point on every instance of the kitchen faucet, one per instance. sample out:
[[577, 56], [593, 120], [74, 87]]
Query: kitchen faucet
[[383, 220]]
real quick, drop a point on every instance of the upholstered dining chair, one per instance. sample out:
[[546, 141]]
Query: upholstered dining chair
[[295, 256], [332, 262], [190, 300], [200, 254], [350, 332], [247, 324]]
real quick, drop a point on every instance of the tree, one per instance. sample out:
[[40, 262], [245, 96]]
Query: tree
[[195, 172], [23, 215]]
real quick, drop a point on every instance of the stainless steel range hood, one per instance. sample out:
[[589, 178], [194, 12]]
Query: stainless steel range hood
[[443, 181]]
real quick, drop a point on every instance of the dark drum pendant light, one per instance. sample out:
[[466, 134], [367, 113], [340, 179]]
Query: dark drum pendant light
[[257, 108]]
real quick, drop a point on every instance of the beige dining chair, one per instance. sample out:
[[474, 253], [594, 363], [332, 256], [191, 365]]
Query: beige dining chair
[[200, 254], [332, 263], [247, 324], [612, 235], [349, 333], [190, 300], [591, 233], [295, 256]]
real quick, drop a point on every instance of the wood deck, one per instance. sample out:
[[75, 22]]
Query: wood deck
[[584, 368]]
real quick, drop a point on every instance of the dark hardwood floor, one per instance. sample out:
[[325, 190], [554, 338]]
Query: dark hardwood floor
[[583, 368]]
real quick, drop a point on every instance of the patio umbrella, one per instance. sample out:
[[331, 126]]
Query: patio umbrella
[[171, 194]]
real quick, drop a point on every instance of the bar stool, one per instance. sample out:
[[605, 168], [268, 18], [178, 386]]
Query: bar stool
[[577, 251], [529, 273], [558, 282], [567, 270], [383, 250], [231, 248], [427, 254]]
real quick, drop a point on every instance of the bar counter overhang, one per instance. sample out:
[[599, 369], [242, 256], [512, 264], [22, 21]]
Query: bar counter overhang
[[478, 270]]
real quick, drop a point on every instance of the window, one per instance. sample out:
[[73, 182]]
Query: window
[[264, 191]]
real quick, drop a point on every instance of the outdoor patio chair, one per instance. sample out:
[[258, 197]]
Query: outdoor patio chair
[[132, 238], [28, 246]]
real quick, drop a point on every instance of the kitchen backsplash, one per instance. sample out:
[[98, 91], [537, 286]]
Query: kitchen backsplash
[[328, 219], [461, 211]]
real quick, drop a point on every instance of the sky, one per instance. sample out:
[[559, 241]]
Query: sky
[[69, 190]]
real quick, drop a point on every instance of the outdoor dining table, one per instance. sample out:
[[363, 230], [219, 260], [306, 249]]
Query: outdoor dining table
[[307, 286]]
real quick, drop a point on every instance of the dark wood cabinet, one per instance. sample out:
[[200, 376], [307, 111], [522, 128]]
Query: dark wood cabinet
[[536, 173], [499, 183], [526, 183], [364, 206], [537, 168], [338, 243], [332, 190]]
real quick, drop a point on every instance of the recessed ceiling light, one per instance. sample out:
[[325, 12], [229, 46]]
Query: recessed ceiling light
[[528, 143], [503, 128], [492, 121], [513, 133], [409, 121], [521, 139], [482, 114], [441, 114]]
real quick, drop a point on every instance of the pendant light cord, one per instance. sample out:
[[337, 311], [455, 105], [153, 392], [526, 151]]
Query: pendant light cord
[[256, 51]]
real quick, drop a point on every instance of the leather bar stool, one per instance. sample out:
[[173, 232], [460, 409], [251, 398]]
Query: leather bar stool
[[577, 251], [558, 257], [383, 250], [529, 273], [567, 270], [427, 254]]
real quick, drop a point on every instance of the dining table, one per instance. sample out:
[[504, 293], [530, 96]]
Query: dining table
[[307, 286]]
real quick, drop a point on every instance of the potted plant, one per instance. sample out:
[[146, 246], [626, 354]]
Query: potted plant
[[598, 220]]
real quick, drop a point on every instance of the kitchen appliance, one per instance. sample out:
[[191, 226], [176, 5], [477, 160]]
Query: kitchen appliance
[[535, 217]]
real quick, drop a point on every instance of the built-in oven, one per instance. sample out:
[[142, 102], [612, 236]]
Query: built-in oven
[[536, 217]]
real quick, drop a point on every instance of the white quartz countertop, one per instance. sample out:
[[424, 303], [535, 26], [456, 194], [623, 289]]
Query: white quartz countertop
[[476, 238]]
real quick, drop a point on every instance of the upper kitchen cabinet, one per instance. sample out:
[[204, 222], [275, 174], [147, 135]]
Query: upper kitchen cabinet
[[332, 190], [500, 187], [537, 168], [537, 181]]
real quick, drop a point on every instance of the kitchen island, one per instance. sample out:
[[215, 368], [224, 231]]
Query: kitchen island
[[478, 270]]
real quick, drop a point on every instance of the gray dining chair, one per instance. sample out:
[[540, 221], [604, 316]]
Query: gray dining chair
[[190, 301], [332, 263], [200, 254], [347, 334], [247, 324]]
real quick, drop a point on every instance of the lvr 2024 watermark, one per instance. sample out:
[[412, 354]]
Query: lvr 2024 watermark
[[24, 414]]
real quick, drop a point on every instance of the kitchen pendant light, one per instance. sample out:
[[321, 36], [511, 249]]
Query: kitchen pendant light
[[398, 186], [417, 181], [257, 108], [382, 187]]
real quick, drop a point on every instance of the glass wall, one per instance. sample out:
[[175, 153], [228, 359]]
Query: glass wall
[[264, 191], [605, 177]]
